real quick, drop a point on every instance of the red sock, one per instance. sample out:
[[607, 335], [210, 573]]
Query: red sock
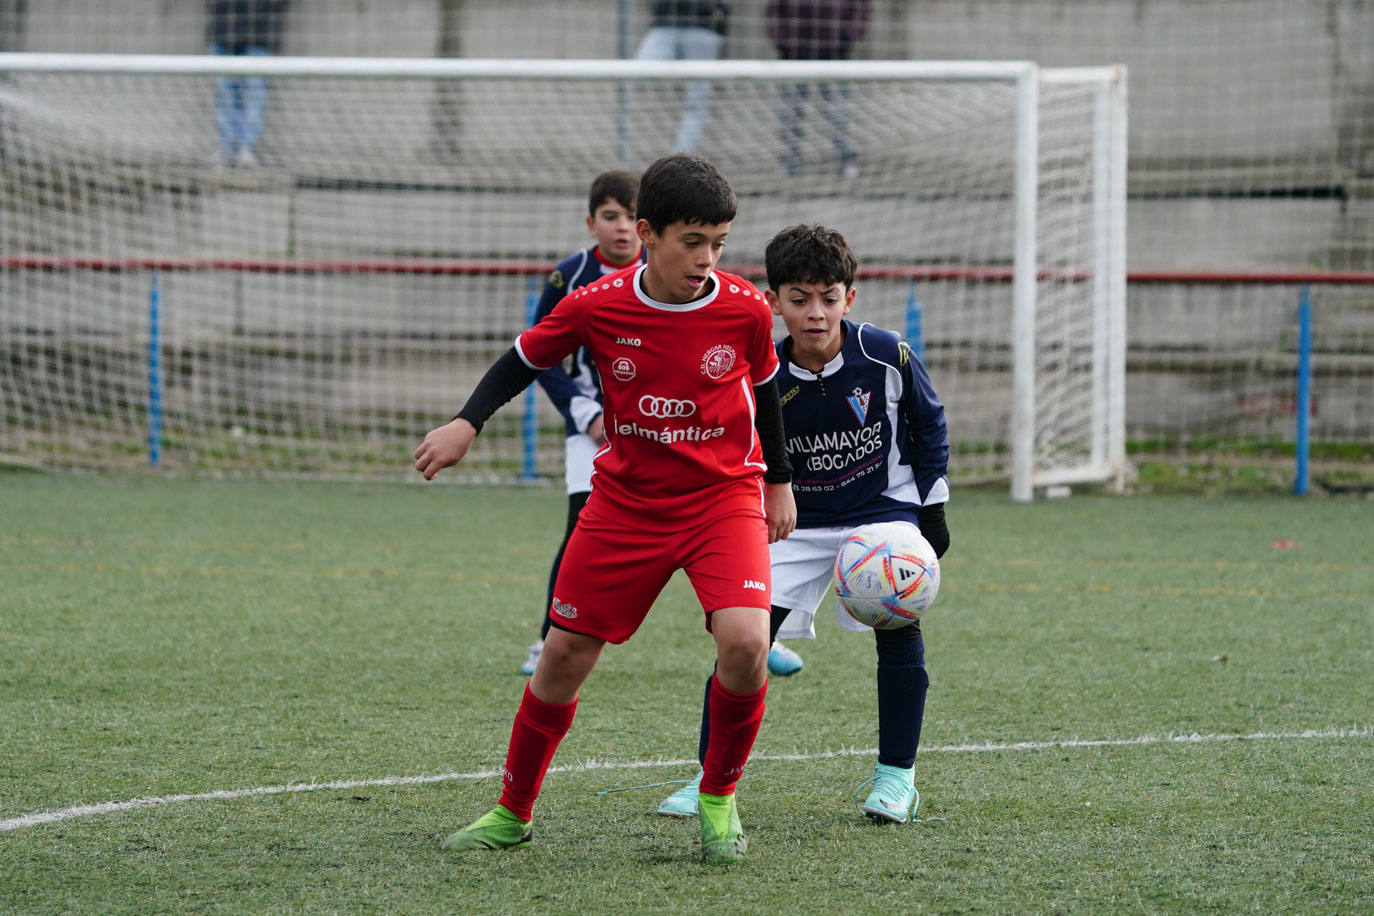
[[735, 720], [534, 737]]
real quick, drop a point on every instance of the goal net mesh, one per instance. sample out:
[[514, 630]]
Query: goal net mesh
[[315, 311]]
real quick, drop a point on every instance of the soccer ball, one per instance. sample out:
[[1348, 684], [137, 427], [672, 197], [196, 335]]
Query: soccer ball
[[886, 575]]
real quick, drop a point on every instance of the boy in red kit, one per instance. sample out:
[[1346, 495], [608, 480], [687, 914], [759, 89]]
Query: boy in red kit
[[693, 476]]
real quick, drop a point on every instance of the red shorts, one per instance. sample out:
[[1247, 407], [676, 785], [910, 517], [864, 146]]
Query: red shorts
[[612, 572]]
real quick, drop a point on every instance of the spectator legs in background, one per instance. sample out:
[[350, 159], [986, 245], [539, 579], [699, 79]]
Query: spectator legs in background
[[240, 104], [836, 113], [791, 121], [665, 43], [834, 110]]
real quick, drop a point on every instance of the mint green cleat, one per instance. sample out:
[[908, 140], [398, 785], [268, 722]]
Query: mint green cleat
[[497, 829], [683, 802], [782, 661], [722, 839], [894, 797]]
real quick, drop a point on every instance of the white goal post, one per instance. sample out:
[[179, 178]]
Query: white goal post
[[314, 309]]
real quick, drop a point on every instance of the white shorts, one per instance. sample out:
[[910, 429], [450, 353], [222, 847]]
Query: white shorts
[[579, 451], [803, 566]]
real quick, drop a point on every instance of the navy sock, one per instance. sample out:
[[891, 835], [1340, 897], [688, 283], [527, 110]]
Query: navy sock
[[704, 739], [902, 686]]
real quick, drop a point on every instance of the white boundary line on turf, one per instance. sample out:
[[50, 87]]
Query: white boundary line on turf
[[157, 801]]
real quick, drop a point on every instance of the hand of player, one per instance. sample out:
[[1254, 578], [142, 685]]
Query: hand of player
[[597, 429], [444, 447], [931, 520], [779, 510]]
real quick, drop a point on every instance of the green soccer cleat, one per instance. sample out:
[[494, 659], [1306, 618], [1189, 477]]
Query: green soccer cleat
[[722, 839], [683, 802], [497, 829], [894, 797]]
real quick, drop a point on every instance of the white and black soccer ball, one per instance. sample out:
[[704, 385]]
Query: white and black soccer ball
[[886, 575]]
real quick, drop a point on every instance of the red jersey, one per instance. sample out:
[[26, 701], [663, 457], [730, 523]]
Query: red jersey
[[677, 384]]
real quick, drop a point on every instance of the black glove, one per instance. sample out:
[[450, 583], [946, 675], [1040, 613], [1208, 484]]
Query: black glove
[[932, 521]]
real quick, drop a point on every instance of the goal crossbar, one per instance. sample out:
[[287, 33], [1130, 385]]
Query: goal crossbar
[[479, 68]]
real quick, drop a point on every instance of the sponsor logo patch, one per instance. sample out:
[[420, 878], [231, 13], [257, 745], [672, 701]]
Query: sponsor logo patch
[[663, 408], [623, 369], [564, 610]]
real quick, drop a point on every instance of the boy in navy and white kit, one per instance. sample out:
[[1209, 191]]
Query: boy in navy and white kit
[[867, 442]]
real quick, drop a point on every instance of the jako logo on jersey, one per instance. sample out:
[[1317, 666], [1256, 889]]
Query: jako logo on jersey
[[564, 610], [718, 360], [623, 369], [628, 341], [755, 584], [663, 408], [858, 402]]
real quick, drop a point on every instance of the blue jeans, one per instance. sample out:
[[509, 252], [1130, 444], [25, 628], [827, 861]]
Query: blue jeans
[[834, 108], [239, 105], [685, 43]]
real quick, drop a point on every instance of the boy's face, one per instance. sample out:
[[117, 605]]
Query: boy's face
[[613, 226], [812, 313], [681, 259]]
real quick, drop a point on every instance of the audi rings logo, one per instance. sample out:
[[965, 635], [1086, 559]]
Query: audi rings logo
[[665, 408]]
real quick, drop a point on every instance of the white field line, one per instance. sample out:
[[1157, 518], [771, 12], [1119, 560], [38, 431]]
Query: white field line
[[157, 801]]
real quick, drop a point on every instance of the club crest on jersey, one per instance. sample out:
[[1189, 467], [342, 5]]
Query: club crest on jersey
[[718, 360], [858, 402], [623, 369]]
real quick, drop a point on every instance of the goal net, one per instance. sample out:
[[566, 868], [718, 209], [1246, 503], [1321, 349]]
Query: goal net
[[314, 306]]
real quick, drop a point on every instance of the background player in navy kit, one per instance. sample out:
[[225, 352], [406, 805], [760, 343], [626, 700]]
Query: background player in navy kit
[[867, 442], [576, 391]]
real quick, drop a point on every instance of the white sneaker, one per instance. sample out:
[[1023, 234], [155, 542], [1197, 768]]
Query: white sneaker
[[532, 659]]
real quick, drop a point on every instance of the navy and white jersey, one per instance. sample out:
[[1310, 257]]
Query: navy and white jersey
[[866, 435], [575, 391]]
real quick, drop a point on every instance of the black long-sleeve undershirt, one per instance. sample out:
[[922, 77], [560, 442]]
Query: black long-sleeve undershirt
[[768, 422], [506, 378]]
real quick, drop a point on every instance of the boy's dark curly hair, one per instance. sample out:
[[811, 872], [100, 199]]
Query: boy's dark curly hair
[[684, 188], [809, 254]]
